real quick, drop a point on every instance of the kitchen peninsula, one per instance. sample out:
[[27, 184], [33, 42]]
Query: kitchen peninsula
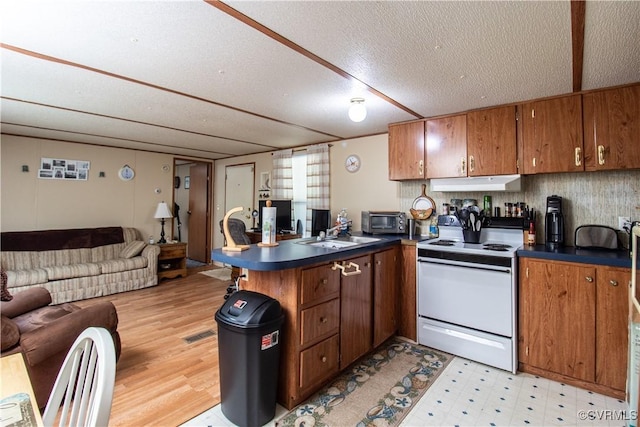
[[338, 302]]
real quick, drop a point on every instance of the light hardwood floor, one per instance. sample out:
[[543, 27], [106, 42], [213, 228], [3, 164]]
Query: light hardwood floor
[[161, 380]]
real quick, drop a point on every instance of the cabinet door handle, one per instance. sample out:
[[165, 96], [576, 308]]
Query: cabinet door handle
[[472, 164], [613, 282], [324, 281], [589, 279], [578, 156], [323, 319], [378, 262], [343, 267], [323, 359], [421, 167], [534, 162], [601, 151]]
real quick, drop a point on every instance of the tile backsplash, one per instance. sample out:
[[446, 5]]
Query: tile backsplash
[[587, 198]]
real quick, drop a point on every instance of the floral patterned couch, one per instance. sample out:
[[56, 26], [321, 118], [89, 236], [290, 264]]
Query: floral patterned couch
[[76, 264]]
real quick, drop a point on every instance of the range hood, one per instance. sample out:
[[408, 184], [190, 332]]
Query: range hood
[[477, 183]]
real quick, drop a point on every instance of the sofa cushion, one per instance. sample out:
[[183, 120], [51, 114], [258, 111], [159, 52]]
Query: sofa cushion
[[33, 276], [43, 316], [106, 252], [58, 272], [63, 257], [133, 249], [122, 264], [10, 334]]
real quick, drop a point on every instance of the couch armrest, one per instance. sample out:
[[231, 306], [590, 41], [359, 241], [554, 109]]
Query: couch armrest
[[42, 343], [151, 252], [26, 301]]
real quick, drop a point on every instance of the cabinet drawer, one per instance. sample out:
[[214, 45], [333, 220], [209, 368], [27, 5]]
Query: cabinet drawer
[[322, 319], [319, 362], [172, 251], [319, 283]]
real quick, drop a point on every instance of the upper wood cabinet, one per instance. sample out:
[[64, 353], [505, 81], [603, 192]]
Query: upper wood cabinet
[[612, 129], [552, 135], [406, 151], [491, 142], [446, 147]]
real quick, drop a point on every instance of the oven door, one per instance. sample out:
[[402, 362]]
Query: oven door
[[465, 294]]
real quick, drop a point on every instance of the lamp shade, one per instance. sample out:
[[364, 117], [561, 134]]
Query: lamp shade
[[357, 111], [162, 211]]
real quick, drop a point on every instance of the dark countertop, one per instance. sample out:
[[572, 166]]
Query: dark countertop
[[289, 254], [619, 258]]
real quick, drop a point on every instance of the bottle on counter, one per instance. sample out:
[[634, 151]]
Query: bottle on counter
[[433, 228], [487, 205], [531, 238]]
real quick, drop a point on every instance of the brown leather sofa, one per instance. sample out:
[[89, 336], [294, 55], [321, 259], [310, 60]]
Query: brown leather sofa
[[44, 333]]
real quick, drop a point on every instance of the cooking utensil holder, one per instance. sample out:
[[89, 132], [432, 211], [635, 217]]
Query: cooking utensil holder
[[471, 236]]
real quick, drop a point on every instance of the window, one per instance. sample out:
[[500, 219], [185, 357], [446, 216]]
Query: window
[[299, 166]]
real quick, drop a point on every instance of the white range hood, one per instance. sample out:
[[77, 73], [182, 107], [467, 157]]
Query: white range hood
[[477, 183]]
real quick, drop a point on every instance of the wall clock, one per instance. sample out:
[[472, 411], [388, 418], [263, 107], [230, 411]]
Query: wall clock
[[126, 173], [352, 163]]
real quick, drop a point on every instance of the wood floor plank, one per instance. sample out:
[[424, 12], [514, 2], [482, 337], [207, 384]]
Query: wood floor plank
[[161, 380]]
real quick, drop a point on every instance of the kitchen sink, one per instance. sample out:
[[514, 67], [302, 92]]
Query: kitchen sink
[[339, 243]]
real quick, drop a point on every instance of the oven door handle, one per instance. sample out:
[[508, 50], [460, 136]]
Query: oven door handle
[[466, 265]]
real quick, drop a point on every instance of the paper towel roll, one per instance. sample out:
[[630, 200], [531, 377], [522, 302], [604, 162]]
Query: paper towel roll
[[268, 225]]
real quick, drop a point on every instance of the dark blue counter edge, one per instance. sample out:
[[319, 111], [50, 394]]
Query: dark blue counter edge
[[619, 258], [306, 255]]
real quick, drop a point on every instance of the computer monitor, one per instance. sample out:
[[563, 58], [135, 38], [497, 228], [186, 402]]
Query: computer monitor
[[320, 221], [283, 214]]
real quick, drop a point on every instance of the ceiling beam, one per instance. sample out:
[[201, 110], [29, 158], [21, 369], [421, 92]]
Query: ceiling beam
[[577, 41], [286, 42]]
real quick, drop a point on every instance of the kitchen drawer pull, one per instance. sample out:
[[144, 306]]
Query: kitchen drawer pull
[[323, 320], [323, 359], [613, 282], [343, 267], [324, 281], [589, 279], [601, 151], [578, 156]]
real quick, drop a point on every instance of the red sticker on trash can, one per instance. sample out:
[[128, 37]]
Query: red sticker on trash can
[[269, 340], [239, 304]]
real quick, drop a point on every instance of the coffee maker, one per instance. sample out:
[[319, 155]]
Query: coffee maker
[[554, 223]]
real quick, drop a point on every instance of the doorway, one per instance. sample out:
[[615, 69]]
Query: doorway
[[239, 191], [192, 209]]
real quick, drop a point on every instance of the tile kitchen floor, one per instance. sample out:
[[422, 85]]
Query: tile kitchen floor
[[471, 394]]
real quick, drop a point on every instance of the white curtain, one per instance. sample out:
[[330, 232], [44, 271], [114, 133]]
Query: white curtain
[[282, 176], [317, 179]]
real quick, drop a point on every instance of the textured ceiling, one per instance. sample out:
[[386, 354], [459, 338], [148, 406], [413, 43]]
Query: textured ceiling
[[197, 79]]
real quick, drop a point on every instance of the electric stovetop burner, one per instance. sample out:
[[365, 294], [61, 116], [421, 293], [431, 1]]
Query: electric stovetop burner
[[443, 242], [496, 247]]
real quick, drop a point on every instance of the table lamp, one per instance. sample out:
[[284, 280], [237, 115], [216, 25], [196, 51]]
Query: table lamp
[[162, 213]]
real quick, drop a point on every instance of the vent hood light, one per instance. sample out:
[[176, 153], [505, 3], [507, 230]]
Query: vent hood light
[[477, 183]]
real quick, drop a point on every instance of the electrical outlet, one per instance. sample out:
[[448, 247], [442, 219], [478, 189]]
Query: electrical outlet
[[624, 222]]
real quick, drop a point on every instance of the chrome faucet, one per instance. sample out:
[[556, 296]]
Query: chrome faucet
[[331, 233]]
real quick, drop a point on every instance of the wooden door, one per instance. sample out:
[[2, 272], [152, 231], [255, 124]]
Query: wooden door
[[491, 142], [558, 315], [385, 295], [612, 326], [407, 311], [612, 129], [406, 151], [552, 135], [198, 248], [446, 142], [355, 313]]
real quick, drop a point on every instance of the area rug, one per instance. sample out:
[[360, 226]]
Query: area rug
[[223, 274], [377, 390]]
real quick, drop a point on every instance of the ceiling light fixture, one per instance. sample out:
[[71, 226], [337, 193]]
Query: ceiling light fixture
[[357, 111]]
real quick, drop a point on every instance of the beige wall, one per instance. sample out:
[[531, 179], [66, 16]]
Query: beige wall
[[30, 203]]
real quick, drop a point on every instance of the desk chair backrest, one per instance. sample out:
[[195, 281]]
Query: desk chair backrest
[[83, 390]]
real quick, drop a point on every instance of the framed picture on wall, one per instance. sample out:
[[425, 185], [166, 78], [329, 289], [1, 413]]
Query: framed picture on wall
[[187, 181]]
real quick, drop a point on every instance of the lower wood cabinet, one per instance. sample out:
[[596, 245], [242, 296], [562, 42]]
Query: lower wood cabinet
[[407, 310], [573, 323], [331, 318]]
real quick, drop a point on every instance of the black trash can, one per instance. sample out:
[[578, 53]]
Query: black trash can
[[249, 326]]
